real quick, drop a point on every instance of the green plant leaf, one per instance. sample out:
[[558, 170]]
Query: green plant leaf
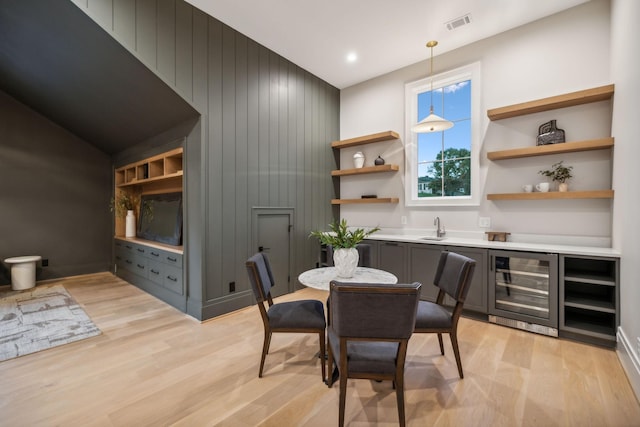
[[341, 237]]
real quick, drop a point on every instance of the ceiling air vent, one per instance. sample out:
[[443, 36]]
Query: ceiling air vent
[[458, 22]]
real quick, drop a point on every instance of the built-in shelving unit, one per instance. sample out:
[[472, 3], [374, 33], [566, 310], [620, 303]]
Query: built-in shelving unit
[[162, 167], [586, 96], [362, 140], [365, 200], [589, 303], [601, 93]]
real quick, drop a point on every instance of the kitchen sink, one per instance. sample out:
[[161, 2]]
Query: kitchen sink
[[432, 238]]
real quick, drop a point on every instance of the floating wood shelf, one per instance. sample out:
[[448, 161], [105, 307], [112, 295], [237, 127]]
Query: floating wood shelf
[[542, 150], [363, 201], [601, 93], [553, 195], [367, 139], [368, 169]]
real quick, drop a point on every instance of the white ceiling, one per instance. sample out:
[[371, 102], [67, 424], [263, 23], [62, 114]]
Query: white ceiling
[[385, 34]]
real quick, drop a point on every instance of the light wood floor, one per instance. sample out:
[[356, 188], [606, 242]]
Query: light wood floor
[[156, 366]]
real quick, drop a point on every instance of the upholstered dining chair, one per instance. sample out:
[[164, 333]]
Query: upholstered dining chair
[[302, 316], [369, 333], [453, 277]]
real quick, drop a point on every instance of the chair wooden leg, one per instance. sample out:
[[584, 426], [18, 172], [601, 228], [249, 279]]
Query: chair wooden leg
[[441, 345], [456, 351], [265, 350], [343, 399], [323, 354], [329, 380], [399, 382]]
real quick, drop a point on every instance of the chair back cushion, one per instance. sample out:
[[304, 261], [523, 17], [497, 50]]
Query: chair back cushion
[[365, 310], [454, 274], [260, 275]]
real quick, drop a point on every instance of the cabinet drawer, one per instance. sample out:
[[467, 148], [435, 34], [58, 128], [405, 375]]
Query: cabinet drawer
[[164, 256], [138, 265], [173, 279], [156, 272]]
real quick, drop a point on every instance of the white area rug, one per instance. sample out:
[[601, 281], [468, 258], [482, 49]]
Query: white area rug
[[40, 318]]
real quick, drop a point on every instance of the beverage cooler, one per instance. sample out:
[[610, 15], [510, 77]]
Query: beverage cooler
[[523, 291]]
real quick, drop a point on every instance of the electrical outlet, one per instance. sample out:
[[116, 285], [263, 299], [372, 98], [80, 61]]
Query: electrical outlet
[[484, 222], [45, 262], [403, 220], [232, 286]]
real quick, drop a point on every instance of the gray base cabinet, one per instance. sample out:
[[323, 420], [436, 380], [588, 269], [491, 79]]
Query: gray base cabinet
[[392, 257], [156, 271], [589, 299], [477, 296]]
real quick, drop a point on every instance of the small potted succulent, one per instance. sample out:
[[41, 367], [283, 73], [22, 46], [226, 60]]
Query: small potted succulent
[[560, 174], [344, 241]]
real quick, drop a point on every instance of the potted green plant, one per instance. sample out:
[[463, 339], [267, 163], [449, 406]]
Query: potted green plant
[[344, 241], [560, 174]]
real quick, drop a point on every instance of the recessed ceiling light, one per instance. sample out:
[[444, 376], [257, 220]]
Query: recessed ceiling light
[[352, 57]]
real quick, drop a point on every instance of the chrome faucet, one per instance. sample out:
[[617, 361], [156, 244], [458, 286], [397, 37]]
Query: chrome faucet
[[439, 231]]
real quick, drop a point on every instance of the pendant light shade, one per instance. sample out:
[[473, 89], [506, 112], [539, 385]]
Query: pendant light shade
[[433, 122]]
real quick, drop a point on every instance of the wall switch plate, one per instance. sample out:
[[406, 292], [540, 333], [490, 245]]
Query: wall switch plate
[[403, 220], [484, 222]]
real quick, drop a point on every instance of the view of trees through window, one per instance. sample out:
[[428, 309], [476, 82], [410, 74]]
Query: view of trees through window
[[444, 158]]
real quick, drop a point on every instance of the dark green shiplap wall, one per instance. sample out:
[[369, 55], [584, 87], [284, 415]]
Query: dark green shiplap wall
[[263, 139]]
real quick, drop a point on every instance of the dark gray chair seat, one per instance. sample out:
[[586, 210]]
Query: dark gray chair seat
[[305, 314]]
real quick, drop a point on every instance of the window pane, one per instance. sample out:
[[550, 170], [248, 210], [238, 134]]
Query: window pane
[[429, 179], [429, 146], [457, 177], [459, 136], [457, 101]]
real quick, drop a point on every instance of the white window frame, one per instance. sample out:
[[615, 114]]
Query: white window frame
[[468, 72]]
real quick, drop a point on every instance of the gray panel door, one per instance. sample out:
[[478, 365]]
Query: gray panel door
[[273, 238]]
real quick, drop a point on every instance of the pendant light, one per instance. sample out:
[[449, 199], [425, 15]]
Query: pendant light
[[432, 123]]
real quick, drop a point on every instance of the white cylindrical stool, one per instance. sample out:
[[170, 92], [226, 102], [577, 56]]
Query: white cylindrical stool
[[23, 271]]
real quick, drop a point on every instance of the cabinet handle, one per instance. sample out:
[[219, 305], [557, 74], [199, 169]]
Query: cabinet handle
[[154, 253], [173, 279], [154, 271], [140, 250], [128, 246], [390, 244], [128, 261], [172, 259], [140, 266]]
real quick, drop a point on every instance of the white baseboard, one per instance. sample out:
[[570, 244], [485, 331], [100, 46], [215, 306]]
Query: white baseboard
[[630, 361]]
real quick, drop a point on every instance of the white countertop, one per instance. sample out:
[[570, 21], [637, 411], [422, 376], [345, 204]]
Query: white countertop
[[476, 241]]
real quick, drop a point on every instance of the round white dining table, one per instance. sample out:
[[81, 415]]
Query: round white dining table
[[320, 278]]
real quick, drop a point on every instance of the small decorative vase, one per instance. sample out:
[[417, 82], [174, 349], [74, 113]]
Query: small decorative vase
[[358, 160], [379, 161], [548, 133], [563, 186], [345, 261], [130, 225]]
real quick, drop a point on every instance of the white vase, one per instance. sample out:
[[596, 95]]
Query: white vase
[[345, 261], [358, 160], [130, 223]]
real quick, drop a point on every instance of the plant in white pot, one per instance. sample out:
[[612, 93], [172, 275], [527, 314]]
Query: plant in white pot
[[560, 174], [344, 241], [124, 205]]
